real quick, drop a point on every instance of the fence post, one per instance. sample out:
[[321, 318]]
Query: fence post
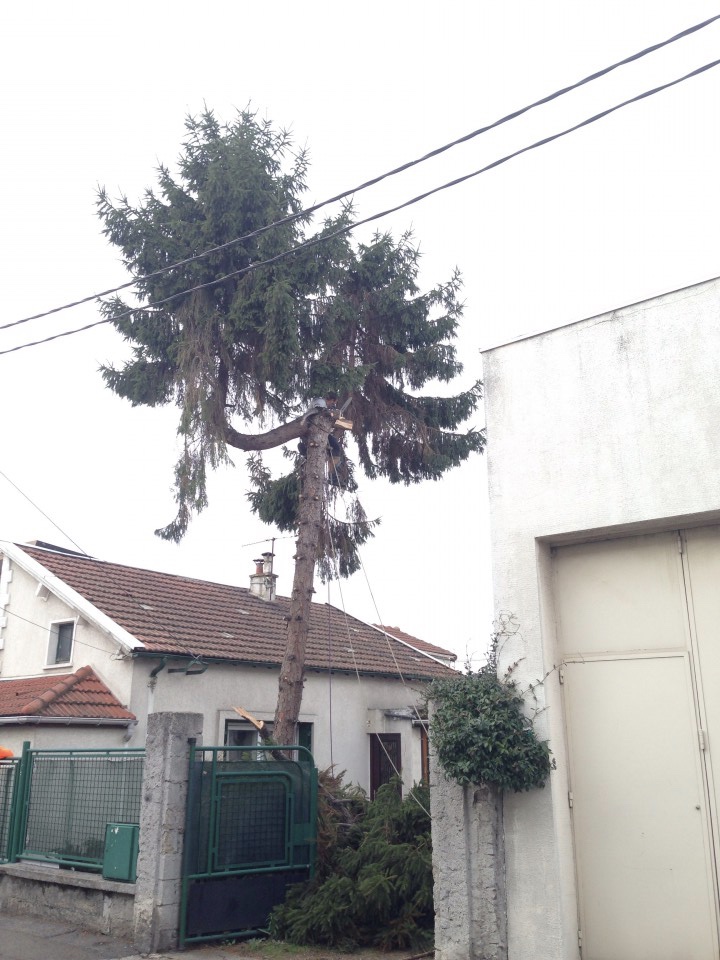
[[468, 870], [162, 828], [19, 805]]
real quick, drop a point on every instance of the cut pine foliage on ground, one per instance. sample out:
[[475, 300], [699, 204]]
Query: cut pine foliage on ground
[[373, 886]]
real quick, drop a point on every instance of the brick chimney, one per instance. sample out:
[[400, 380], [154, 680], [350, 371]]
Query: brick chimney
[[262, 582]]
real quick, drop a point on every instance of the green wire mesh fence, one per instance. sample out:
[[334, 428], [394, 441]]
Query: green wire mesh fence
[[60, 802]]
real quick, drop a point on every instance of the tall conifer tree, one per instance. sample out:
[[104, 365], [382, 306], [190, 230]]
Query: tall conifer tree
[[242, 354]]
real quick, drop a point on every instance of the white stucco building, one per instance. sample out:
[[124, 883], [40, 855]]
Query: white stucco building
[[604, 479], [88, 649]]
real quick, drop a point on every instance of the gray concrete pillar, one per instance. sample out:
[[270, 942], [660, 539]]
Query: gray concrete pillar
[[468, 870], [162, 829]]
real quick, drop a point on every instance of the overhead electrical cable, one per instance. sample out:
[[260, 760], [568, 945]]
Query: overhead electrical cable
[[42, 626], [389, 639], [336, 566], [376, 216], [380, 742], [32, 503], [330, 676], [308, 211]]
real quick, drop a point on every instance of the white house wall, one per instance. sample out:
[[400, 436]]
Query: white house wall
[[605, 427], [356, 705], [26, 634], [63, 737]]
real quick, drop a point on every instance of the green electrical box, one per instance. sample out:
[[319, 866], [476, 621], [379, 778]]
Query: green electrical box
[[121, 851]]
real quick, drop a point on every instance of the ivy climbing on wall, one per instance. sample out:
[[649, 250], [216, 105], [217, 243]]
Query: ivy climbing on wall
[[480, 731]]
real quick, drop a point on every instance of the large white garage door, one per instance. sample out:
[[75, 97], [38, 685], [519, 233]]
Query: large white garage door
[[639, 627]]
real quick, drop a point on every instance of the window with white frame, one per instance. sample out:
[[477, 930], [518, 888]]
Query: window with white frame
[[241, 734], [60, 646]]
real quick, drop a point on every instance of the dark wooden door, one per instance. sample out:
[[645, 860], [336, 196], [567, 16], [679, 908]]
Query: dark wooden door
[[385, 762]]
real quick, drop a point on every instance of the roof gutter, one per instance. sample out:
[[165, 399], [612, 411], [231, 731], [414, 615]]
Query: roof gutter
[[164, 658], [142, 653], [67, 721]]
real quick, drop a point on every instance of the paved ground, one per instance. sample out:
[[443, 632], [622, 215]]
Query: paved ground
[[37, 938]]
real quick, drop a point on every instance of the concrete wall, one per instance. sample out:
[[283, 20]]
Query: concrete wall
[[468, 871], [92, 903], [603, 427], [63, 737], [162, 829]]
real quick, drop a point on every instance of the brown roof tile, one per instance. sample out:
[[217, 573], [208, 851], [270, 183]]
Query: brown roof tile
[[177, 615], [80, 695]]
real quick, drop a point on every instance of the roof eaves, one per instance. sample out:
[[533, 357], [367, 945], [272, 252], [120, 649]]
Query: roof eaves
[[144, 653], [411, 674], [69, 596]]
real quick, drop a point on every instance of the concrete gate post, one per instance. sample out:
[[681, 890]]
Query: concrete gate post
[[468, 870], [162, 829]]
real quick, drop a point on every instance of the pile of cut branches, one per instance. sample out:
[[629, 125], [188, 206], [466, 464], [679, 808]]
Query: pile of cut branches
[[373, 884]]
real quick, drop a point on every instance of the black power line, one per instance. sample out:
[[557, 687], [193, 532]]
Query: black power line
[[32, 503], [308, 211], [377, 216]]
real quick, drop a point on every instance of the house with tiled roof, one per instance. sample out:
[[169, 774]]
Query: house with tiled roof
[[88, 649]]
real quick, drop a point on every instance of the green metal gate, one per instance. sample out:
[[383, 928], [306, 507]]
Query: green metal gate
[[250, 833]]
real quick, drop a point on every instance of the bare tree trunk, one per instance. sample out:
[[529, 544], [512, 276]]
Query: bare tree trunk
[[310, 512]]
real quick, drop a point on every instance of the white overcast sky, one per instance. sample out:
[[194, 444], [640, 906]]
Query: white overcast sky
[[91, 94]]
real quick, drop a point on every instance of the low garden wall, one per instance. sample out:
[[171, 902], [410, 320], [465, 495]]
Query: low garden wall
[[146, 912], [103, 906]]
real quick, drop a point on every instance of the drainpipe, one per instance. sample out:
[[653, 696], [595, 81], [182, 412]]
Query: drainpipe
[[152, 683]]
